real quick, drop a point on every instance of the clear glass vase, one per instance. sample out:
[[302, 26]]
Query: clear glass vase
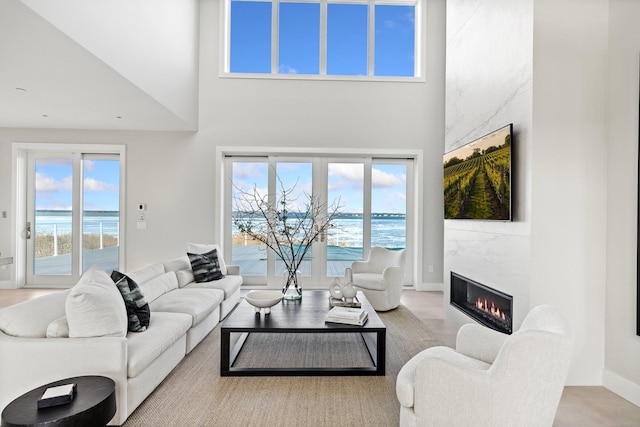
[[292, 289]]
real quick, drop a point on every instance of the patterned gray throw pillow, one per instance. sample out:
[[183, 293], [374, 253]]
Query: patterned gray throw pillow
[[138, 310], [206, 267]]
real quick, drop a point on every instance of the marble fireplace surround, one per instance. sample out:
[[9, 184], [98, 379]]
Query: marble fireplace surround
[[488, 306]]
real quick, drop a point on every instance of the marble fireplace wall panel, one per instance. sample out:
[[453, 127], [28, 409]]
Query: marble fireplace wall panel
[[489, 69]]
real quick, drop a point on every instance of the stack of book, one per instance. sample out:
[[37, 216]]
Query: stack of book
[[59, 395], [340, 302], [347, 316]]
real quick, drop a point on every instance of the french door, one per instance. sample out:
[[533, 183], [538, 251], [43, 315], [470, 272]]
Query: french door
[[72, 215], [373, 195]]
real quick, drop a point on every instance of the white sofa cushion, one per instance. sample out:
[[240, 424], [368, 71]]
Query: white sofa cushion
[[200, 248], [371, 281], [182, 267], [228, 284], [59, 328], [405, 383], [158, 286], [185, 277], [146, 273], [95, 307], [164, 330], [198, 303], [30, 319], [180, 263]]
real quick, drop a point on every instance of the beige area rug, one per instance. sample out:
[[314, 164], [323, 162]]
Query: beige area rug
[[194, 394]]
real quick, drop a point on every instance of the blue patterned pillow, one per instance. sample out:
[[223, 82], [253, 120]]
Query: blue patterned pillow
[[138, 311], [206, 267]]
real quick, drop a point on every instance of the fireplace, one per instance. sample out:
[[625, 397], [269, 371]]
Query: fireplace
[[486, 305]]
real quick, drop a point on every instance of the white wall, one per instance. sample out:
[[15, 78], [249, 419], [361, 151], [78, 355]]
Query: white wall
[[568, 244], [175, 172], [488, 85], [622, 345]]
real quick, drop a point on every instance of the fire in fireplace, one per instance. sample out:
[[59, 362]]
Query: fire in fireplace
[[488, 306]]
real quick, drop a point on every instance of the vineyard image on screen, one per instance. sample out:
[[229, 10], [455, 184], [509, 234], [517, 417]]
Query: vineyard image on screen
[[477, 178]]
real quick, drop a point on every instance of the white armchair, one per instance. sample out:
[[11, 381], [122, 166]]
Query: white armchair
[[491, 378], [380, 277]]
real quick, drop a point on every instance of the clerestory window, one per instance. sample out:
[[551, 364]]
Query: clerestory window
[[331, 38]]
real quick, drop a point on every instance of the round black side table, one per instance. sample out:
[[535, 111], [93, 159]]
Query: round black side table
[[93, 405]]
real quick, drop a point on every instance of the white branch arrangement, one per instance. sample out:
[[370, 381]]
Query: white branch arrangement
[[286, 229]]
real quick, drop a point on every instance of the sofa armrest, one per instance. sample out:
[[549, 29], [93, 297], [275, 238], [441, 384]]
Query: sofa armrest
[[233, 270], [31, 362], [479, 342]]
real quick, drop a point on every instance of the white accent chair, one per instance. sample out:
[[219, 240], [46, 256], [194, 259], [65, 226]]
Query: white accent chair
[[490, 379], [380, 277]]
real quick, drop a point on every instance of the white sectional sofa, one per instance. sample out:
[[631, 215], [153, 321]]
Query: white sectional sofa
[[35, 347]]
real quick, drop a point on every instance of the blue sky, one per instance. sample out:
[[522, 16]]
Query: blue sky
[[345, 181], [54, 181], [299, 38]]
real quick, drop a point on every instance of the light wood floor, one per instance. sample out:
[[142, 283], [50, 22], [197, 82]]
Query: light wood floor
[[580, 406]]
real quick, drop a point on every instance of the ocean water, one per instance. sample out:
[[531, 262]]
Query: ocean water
[[46, 220], [345, 238]]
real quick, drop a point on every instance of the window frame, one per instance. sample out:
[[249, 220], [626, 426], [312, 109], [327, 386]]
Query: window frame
[[419, 43], [20, 191], [413, 159]]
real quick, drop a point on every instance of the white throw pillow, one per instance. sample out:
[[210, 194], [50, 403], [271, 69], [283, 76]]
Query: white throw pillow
[[59, 328], [95, 307], [199, 248]]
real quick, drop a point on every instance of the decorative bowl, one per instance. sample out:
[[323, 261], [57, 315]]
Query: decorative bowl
[[263, 299]]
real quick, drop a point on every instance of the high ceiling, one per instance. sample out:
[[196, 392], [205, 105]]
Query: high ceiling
[[67, 64]]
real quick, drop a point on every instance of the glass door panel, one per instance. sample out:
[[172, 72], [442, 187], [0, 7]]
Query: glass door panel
[[345, 240], [294, 181], [100, 213], [248, 178], [52, 213], [389, 206]]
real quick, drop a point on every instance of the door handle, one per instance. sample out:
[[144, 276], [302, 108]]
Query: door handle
[[27, 231]]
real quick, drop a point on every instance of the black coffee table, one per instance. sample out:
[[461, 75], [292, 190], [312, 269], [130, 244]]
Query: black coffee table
[[93, 405], [304, 316]]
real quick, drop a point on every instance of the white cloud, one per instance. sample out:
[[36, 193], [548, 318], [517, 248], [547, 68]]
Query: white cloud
[[91, 184], [48, 184], [286, 69], [350, 176], [89, 165], [382, 179], [248, 170], [53, 205]]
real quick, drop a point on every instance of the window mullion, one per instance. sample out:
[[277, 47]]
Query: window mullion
[[323, 37], [275, 36], [371, 38], [366, 216]]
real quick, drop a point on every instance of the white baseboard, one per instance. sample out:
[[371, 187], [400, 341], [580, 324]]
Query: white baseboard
[[621, 386], [429, 287]]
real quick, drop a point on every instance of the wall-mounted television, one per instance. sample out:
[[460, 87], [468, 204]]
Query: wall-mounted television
[[477, 178]]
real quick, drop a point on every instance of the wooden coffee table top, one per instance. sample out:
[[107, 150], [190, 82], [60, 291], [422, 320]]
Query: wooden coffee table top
[[305, 315], [302, 316]]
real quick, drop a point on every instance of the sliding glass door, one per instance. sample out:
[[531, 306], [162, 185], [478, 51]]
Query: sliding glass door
[[73, 215], [373, 195]]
